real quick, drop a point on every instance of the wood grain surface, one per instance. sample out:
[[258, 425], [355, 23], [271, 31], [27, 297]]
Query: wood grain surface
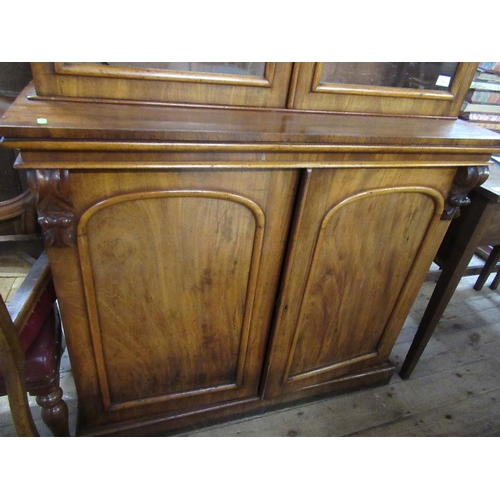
[[179, 271], [229, 260], [63, 79], [355, 261], [119, 121]]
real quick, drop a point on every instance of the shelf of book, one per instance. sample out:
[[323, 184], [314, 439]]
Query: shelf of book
[[482, 103]]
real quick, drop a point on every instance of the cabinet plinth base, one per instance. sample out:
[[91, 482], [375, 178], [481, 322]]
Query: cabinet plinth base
[[169, 424]]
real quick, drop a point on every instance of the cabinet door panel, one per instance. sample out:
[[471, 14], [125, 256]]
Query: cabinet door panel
[[237, 84], [356, 274], [361, 251], [190, 281], [412, 89], [179, 273]]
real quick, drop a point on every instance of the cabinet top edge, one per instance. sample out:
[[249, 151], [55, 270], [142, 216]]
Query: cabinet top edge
[[104, 121]]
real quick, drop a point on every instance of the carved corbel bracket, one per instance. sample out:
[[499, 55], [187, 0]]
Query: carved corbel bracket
[[466, 179], [55, 211]]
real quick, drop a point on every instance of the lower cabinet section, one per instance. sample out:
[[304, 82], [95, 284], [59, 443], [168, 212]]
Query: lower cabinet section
[[195, 295]]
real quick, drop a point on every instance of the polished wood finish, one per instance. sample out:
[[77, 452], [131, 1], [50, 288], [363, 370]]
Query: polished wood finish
[[309, 92], [465, 180], [479, 225], [95, 81], [296, 86], [227, 261], [330, 318], [199, 255], [129, 127], [55, 214]]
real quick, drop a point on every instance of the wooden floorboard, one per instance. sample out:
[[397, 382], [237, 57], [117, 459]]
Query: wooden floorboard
[[454, 390], [14, 267], [474, 417]]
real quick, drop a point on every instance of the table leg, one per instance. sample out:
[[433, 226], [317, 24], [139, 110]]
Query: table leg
[[473, 225], [495, 282], [489, 265]]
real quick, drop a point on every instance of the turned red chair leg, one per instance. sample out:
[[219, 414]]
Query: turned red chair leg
[[54, 411]]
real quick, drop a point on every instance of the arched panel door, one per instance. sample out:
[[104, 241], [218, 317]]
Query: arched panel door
[[178, 277], [186, 326], [360, 253]]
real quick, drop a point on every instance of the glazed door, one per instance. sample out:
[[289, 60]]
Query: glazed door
[[362, 243], [179, 274], [382, 88], [220, 83]]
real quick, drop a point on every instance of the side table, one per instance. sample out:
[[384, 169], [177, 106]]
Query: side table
[[478, 225]]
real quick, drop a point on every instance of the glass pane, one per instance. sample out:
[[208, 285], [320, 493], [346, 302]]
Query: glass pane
[[226, 68], [411, 75]]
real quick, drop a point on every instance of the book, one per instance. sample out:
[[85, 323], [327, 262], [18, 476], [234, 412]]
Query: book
[[480, 117], [468, 107], [478, 85], [483, 97], [487, 77], [490, 67]]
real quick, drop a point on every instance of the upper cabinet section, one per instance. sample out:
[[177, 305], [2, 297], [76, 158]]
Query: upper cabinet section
[[382, 88], [255, 84], [377, 88]]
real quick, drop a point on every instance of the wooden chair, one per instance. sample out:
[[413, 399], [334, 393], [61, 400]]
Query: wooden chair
[[31, 346], [12, 360], [21, 209], [31, 340]]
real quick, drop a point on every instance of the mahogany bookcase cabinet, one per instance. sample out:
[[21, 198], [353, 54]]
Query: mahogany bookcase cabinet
[[226, 238]]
